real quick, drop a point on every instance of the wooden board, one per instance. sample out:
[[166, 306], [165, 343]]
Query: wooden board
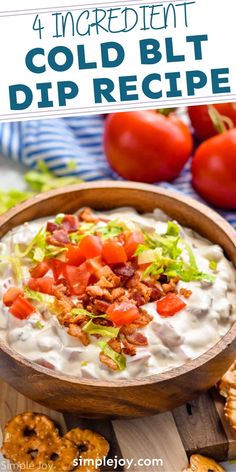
[[197, 427]]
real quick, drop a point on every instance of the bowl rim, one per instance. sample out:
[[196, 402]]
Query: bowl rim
[[175, 372]]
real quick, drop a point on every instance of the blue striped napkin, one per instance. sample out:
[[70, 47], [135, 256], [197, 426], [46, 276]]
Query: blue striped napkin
[[58, 142]]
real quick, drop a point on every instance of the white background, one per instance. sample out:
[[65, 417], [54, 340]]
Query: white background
[[217, 19]]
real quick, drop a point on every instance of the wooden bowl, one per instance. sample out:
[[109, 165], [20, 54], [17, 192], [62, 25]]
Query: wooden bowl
[[124, 398]]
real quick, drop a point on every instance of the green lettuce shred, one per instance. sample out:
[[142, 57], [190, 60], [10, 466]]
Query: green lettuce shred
[[119, 359], [80, 311], [172, 229], [213, 265], [170, 261], [40, 297], [42, 179], [112, 229], [38, 248], [38, 180], [92, 328], [12, 198]]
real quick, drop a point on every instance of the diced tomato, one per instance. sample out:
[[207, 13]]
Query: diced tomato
[[11, 294], [123, 313], [22, 308], [94, 266], [57, 267], [70, 223], [77, 278], [91, 246], [42, 284], [40, 270], [133, 241], [74, 255], [113, 252], [169, 305]]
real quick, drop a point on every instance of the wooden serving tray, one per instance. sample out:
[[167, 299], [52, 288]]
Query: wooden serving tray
[[199, 426]]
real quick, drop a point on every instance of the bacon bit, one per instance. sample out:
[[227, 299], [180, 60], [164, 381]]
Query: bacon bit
[[70, 223], [128, 329], [101, 305], [138, 339], [103, 321], [134, 281], [51, 227], [135, 296], [58, 238], [94, 291], [144, 291], [125, 271], [162, 278], [108, 361], [171, 286], [75, 330], [185, 292], [156, 293], [107, 275], [87, 215], [78, 319], [117, 293], [128, 348], [115, 345], [143, 320], [60, 291]]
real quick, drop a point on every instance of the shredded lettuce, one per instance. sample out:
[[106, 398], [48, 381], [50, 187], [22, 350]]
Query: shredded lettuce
[[44, 298], [92, 328], [169, 259], [15, 266], [38, 325], [39, 180], [172, 229], [169, 244], [11, 198], [213, 265], [59, 218], [85, 229], [38, 248], [42, 179], [192, 259], [80, 311], [111, 229], [119, 359]]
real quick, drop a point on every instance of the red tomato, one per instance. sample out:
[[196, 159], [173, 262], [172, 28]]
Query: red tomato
[[133, 241], [113, 252], [202, 122], [21, 308], [91, 246], [74, 255], [42, 284], [146, 146], [11, 294], [94, 266], [123, 313], [169, 305], [214, 170], [40, 270], [77, 278], [57, 267]]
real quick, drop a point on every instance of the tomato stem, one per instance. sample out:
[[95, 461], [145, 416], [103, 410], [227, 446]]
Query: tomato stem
[[220, 122], [165, 111]]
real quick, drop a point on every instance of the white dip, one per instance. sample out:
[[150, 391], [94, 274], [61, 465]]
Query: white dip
[[209, 313]]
